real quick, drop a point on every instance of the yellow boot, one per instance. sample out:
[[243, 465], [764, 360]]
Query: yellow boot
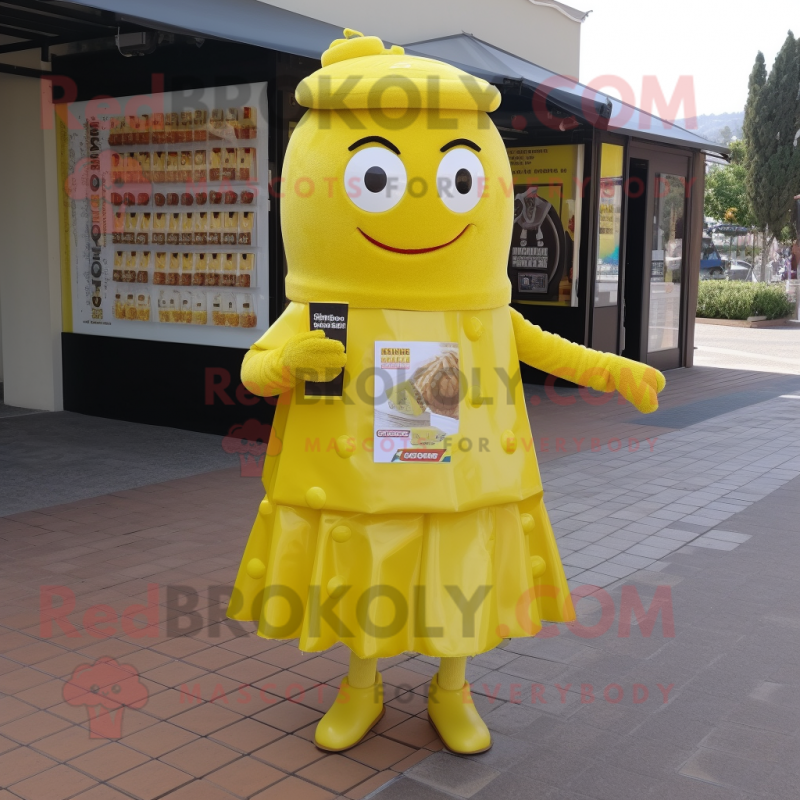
[[351, 717], [455, 718]]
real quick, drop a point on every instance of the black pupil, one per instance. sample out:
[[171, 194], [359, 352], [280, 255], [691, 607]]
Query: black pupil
[[463, 181], [375, 179]]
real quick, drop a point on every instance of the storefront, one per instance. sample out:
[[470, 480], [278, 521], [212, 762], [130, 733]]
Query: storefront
[[170, 254]]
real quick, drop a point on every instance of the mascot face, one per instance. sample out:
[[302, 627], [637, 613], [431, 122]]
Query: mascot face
[[397, 208]]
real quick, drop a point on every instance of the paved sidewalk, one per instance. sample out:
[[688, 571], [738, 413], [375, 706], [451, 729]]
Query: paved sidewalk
[[764, 349], [729, 730], [704, 522], [617, 513], [48, 458], [583, 714]]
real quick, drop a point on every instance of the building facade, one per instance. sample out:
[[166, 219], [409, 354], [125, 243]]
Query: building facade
[[142, 248]]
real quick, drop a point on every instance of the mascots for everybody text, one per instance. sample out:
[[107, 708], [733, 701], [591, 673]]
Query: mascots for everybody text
[[394, 205]]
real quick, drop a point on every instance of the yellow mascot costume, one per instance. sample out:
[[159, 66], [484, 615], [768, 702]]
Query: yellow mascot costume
[[394, 204]]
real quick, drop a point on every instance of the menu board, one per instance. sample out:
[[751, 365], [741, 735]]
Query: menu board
[[543, 262], [165, 215]]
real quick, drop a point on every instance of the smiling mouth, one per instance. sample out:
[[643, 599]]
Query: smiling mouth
[[410, 251]]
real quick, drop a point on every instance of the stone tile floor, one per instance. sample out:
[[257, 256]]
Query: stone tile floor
[[48, 459], [225, 713], [623, 707], [703, 523]]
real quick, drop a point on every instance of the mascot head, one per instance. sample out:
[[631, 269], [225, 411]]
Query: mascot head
[[397, 187]]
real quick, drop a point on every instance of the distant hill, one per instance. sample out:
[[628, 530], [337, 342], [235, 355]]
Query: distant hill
[[710, 126]]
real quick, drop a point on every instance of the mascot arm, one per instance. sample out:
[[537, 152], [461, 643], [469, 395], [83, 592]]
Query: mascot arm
[[289, 352], [605, 372]]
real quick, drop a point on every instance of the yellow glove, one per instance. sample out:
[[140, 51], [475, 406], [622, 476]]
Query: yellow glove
[[638, 383], [307, 356]]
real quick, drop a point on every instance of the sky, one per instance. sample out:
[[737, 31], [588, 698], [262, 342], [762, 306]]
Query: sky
[[713, 42]]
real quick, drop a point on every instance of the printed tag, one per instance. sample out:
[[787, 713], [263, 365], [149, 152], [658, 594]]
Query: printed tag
[[331, 318]]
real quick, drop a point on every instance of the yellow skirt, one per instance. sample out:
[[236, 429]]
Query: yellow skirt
[[442, 585]]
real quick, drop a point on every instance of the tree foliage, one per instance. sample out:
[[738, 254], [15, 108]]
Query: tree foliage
[[771, 119], [755, 83], [726, 135], [726, 196]]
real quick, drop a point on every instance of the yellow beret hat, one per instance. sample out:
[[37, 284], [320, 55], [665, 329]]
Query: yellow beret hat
[[359, 72]]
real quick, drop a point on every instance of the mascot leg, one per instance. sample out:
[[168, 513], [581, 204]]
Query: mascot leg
[[452, 712], [357, 708]]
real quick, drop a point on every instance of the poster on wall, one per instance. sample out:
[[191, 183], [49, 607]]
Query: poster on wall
[[165, 215], [543, 262], [606, 289]]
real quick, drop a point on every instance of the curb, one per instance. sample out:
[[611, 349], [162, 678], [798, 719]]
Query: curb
[[744, 323]]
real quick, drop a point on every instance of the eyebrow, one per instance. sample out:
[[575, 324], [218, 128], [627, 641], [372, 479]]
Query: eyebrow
[[465, 142], [377, 140]]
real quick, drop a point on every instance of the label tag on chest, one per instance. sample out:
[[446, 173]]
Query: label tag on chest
[[331, 318], [417, 393]]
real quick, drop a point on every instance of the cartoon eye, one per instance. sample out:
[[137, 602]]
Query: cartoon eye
[[375, 179], [460, 179], [116, 688], [94, 688]]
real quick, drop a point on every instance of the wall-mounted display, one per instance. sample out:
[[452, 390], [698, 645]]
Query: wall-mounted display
[[165, 228], [545, 243]]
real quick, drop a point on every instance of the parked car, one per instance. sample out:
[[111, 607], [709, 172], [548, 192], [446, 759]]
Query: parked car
[[741, 271]]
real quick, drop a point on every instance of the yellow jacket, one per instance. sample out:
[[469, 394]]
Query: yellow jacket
[[320, 455]]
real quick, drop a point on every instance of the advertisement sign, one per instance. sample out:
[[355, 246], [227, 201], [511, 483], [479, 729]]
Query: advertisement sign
[[165, 215], [543, 262], [606, 289], [416, 416]]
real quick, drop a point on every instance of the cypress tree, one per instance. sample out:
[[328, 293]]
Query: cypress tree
[[770, 123], [751, 131], [758, 77]]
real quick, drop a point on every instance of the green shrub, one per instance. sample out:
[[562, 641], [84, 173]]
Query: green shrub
[[738, 300], [772, 302]]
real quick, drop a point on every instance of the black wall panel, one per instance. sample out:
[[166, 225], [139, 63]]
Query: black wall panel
[[193, 387]]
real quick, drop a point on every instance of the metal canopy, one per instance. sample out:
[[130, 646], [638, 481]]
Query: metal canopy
[[35, 23], [247, 21], [497, 66], [28, 24]]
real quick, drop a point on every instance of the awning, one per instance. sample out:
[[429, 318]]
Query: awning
[[730, 230], [246, 21], [257, 23], [26, 24], [498, 67]]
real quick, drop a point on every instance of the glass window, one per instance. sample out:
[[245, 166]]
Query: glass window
[[667, 262], [606, 287]]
